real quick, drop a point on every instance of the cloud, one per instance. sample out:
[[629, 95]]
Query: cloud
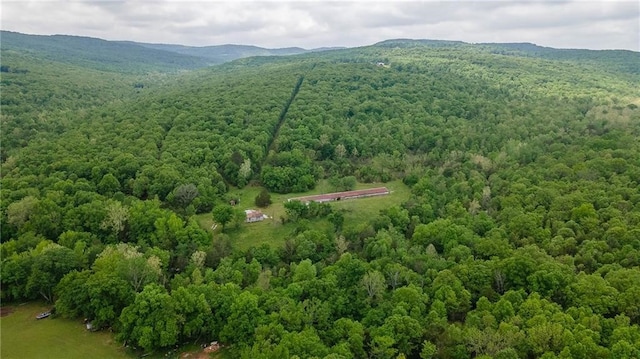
[[584, 24]]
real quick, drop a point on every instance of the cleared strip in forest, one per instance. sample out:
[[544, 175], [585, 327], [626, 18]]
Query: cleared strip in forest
[[283, 115], [160, 143]]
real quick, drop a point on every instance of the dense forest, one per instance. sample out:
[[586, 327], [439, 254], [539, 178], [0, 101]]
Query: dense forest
[[520, 239]]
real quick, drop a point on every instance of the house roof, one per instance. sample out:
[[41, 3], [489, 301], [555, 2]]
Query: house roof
[[251, 213]]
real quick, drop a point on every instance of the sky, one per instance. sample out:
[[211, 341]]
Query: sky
[[313, 24]]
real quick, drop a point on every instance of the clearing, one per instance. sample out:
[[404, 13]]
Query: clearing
[[273, 232], [23, 336]]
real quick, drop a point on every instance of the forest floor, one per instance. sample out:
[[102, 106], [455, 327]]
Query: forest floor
[[23, 336], [273, 232]]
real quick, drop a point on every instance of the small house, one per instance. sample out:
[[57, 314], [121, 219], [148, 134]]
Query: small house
[[254, 216]]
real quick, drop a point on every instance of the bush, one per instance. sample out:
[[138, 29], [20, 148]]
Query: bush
[[263, 199]]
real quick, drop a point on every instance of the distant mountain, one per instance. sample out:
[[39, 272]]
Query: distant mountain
[[330, 48], [136, 57], [98, 54], [221, 53], [218, 54], [132, 57], [417, 42]]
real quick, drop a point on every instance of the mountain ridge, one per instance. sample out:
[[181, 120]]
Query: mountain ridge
[[140, 57], [218, 54], [97, 53]]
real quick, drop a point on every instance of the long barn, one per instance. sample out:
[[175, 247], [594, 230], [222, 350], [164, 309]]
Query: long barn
[[338, 196]]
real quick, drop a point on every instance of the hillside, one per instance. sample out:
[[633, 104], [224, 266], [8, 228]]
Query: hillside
[[129, 56], [98, 54], [624, 61], [511, 229]]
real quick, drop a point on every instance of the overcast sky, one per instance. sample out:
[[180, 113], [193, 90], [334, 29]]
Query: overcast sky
[[311, 24]]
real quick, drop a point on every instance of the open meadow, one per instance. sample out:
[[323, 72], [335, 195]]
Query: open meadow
[[23, 336]]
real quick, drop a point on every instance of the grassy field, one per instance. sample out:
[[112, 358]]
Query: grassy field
[[273, 232], [22, 336]]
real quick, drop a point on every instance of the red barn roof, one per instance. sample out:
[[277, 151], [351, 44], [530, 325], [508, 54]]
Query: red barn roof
[[336, 196]]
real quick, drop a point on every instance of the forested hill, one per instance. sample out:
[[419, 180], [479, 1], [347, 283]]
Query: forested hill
[[98, 54], [624, 61], [517, 236], [621, 61], [129, 56]]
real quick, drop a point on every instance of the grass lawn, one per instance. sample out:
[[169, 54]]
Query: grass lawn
[[22, 336], [273, 232], [363, 209]]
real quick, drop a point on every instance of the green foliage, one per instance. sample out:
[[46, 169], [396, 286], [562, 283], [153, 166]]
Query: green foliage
[[151, 321], [289, 172], [243, 320], [347, 183], [263, 199], [518, 237], [223, 214], [48, 268], [99, 54], [297, 210]]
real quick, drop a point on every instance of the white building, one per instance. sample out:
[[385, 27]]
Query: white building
[[254, 216]]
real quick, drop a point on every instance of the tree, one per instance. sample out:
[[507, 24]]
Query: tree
[[347, 183], [448, 288], [406, 332], [72, 295], [593, 291], [125, 261], [443, 234], [226, 273], [296, 210], [184, 194], [245, 315], [109, 294], [411, 299], [193, 310], [48, 269], [15, 272], [223, 214], [337, 219], [349, 331], [263, 199], [304, 344], [18, 212], [116, 218], [108, 185], [428, 350], [99, 296], [244, 173], [151, 321], [303, 271], [340, 151], [382, 347], [374, 284]]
